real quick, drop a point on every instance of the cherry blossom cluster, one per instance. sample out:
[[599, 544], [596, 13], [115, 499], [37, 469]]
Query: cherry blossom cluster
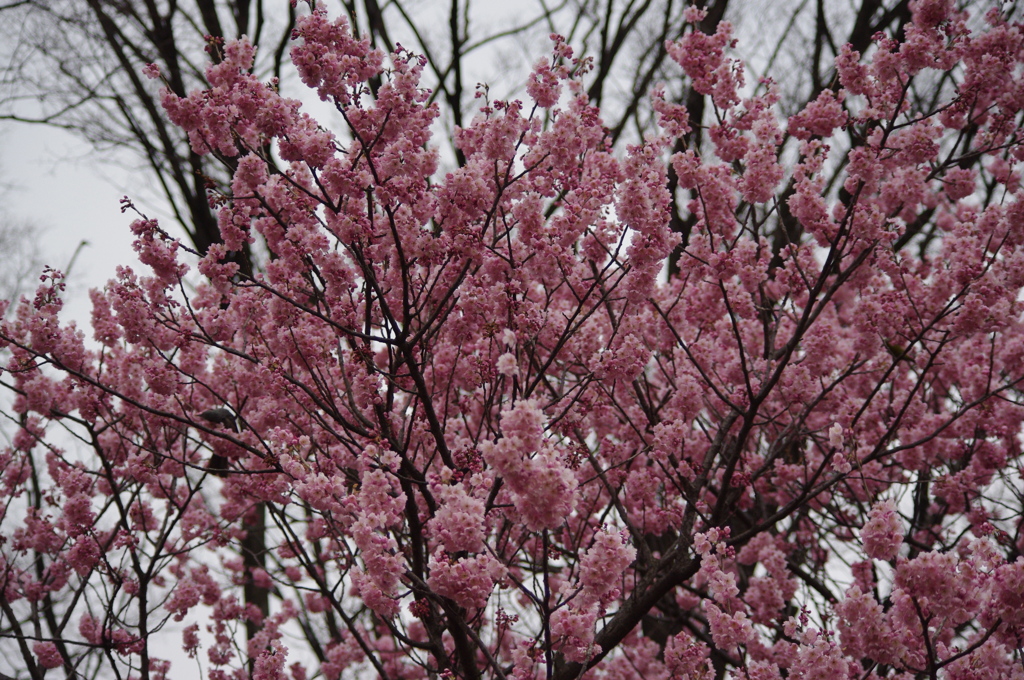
[[504, 420]]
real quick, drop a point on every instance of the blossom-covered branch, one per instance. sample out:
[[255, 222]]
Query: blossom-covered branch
[[508, 422]]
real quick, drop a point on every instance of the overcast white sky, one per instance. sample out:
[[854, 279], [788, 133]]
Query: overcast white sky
[[56, 185]]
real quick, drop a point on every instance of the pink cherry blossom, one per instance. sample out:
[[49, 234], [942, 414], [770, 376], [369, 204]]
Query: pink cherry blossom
[[883, 532], [739, 397], [48, 655]]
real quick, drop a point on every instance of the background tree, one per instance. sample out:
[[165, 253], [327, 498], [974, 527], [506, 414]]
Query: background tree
[[21, 255]]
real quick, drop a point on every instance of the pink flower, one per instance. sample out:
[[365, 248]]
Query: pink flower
[[47, 654], [543, 488], [1008, 592], [507, 364], [544, 86], [883, 533], [574, 631], [959, 183], [820, 117], [190, 640], [703, 59], [78, 514], [468, 581], [270, 663], [835, 435], [603, 564], [459, 520], [694, 14], [729, 632]]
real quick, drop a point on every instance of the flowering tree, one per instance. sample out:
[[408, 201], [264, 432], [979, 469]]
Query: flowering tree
[[76, 65], [507, 423]]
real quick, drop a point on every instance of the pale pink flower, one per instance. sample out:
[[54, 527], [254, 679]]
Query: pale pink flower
[[47, 654], [835, 435], [603, 564], [468, 580], [507, 364], [883, 533]]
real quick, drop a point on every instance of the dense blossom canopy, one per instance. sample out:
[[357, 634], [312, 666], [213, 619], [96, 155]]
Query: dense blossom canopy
[[505, 422]]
